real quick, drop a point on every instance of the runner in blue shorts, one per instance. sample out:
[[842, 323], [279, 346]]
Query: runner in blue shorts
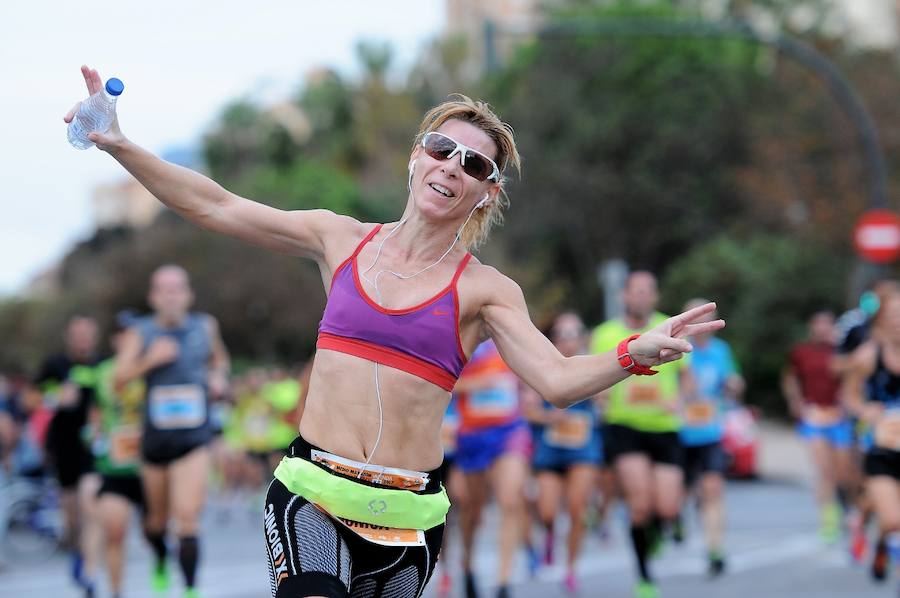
[[811, 386], [717, 379], [493, 451], [567, 452]]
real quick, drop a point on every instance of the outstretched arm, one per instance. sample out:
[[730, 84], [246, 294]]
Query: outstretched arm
[[564, 381], [206, 203]]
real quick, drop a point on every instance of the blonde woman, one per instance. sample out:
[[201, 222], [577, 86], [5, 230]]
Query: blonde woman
[[358, 506]]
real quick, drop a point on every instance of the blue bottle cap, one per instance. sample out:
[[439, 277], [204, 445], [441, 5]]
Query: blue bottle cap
[[114, 87]]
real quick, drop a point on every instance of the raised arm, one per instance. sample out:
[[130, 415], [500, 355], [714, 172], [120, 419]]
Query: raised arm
[[206, 203], [564, 381]]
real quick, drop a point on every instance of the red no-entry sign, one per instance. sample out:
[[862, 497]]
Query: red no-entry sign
[[877, 236]]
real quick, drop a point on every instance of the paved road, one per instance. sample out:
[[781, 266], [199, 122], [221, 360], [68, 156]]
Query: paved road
[[773, 552]]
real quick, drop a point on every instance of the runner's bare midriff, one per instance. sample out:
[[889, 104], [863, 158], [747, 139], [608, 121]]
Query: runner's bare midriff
[[341, 413]]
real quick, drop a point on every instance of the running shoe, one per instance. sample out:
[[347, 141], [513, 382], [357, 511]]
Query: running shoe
[[646, 589], [831, 523], [159, 578], [191, 593], [570, 583], [859, 544], [880, 562]]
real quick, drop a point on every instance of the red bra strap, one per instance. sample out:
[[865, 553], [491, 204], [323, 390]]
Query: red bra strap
[[459, 269], [364, 241]]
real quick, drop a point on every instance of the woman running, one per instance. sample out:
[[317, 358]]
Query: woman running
[[357, 506], [567, 453], [872, 393]]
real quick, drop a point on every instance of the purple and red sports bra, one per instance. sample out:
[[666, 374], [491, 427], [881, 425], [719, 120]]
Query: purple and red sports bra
[[422, 340]]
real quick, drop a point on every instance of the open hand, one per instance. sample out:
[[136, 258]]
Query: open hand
[[666, 342], [113, 138]]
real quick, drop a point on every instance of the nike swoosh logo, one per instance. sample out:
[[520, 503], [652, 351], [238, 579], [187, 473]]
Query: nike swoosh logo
[[440, 312]]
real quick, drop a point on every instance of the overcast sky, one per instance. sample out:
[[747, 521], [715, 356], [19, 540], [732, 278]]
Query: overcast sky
[[181, 61]]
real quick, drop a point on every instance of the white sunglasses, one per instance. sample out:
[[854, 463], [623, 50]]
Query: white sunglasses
[[474, 163]]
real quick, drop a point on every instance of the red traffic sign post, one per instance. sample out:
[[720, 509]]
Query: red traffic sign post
[[877, 236]]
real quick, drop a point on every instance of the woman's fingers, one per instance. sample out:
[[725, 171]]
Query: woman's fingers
[[71, 114], [702, 328], [91, 79], [702, 310], [666, 357], [674, 344]]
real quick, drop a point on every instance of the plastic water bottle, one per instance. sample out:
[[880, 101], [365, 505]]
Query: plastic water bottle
[[95, 115]]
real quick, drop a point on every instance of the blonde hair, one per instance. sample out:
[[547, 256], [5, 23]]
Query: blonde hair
[[481, 115]]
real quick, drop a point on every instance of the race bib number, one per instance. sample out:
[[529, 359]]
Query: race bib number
[[177, 407], [820, 417], [125, 445], [700, 413], [378, 534], [572, 431], [497, 401], [391, 477], [887, 430], [642, 394]]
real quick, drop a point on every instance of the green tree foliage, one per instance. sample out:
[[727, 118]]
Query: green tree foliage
[[629, 147]]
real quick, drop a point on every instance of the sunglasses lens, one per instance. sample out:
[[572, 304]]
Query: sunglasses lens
[[440, 147], [476, 166]]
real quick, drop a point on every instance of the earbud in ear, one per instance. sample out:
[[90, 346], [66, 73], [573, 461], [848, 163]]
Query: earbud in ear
[[483, 201]]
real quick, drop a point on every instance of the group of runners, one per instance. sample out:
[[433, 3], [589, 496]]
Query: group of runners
[[128, 433], [650, 442], [146, 431], [842, 385]]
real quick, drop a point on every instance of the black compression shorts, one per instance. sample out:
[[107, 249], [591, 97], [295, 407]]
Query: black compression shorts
[[162, 455], [127, 486], [703, 459], [662, 448], [310, 554], [882, 462]]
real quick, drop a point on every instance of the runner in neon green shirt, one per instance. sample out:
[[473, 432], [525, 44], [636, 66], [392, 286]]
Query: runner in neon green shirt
[[641, 432], [117, 417], [645, 403]]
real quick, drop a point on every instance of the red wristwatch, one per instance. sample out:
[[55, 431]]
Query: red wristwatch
[[628, 363]]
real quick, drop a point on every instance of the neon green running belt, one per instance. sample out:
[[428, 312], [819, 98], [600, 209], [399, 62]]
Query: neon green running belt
[[341, 497]]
